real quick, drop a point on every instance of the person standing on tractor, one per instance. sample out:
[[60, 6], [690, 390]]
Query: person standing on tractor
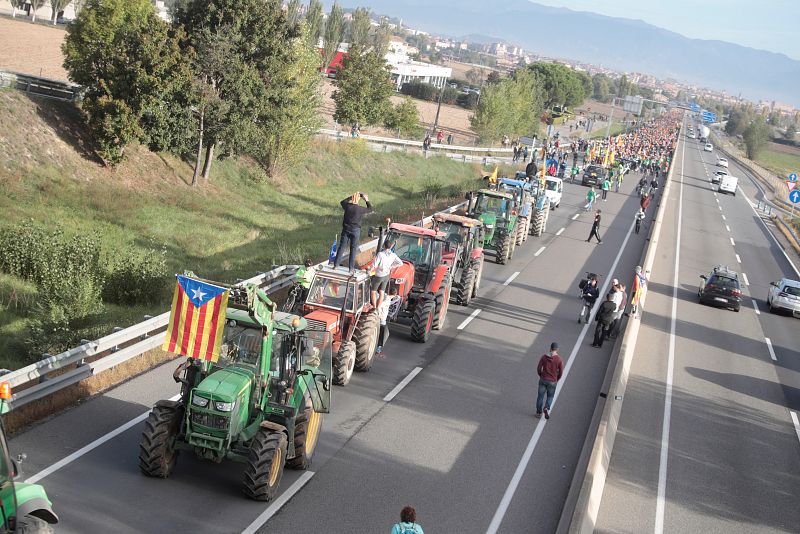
[[550, 369], [351, 227], [408, 522], [382, 266]]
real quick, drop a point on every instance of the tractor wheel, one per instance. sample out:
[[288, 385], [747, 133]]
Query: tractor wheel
[[466, 285], [265, 462], [33, 525], [521, 225], [422, 321], [307, 427], [538, 223], [479, 270], [343, 363], [157, 453], [504, 250], [366, 340], [442, 300]]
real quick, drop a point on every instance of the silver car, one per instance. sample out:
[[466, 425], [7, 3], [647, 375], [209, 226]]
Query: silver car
[[784, 295]]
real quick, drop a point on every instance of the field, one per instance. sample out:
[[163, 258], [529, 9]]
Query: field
[[238, 224], [31, 48], [780, 159]]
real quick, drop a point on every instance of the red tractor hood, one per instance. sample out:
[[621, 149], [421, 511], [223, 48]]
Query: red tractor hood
[[329, 318]]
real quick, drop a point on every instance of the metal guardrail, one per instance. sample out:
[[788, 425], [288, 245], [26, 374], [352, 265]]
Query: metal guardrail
[[435, 147], [54, 373], [44, 87]]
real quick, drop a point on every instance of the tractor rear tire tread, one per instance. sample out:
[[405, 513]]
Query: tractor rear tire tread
[[504, 250], [420, 323], [478, 266], [155, 457], [302, 461], [341, 363], [366, 340], [520, 233], [265, 445], [30, 524], [466, 284]]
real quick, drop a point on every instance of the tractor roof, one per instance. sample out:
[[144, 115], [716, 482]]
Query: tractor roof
[[341, 275], [459, 219], [282, 320], [415, 230], [493, 193], [515, 183]]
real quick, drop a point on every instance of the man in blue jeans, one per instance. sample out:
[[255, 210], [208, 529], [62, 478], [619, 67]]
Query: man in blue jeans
[[550, 369], [351, 226]]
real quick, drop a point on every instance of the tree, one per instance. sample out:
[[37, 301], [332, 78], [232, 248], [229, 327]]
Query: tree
[[738, 120], [474, 76], [623, 87], [16, 4], [358, 31], [314, 16], [562, 86], [756, 137], [363, 88], [293, 12], [791, 131], [134, 75], [494, 77], [404, 117], [333, 35], [510, 107], [57, 6], [35, 6]]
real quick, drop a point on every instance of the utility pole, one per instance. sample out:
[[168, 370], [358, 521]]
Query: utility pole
[[439, 106]]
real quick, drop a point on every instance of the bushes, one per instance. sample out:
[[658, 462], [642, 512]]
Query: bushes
[[73, 281]]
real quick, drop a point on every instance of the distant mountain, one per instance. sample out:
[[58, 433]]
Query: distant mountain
[[616, 43]]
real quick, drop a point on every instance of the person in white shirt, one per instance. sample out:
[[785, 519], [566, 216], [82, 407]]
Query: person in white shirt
[[382, 266]]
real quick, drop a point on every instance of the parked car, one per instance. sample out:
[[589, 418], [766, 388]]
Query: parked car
[[593, 175], [717, 176], [784, 295], [727, 184], [709, 147], [721, 288]]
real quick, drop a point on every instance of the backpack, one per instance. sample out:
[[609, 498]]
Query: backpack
[[407, 530]]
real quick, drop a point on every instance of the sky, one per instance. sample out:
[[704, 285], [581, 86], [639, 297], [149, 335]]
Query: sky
[[763, 24]]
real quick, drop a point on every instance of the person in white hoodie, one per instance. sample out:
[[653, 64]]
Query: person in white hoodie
[[382, 266]]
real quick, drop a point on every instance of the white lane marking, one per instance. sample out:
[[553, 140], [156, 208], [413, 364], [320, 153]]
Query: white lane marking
[[712, 187], [511, 278], [267, 514], [728, 228], [47, 471], [539, 251], [755, 306], [775, 239], [738, 259], [720, 208], [468, 320], [560, 231], [403, 383], [723, 218], [771, 350], [746, 281], [576, 216], [662, 466], [505, 502], [796, 423], [717, 199], [733, 242]]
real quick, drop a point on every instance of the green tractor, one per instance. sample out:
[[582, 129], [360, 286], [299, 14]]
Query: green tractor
[[260, 404], [25, 507], [498, 211]]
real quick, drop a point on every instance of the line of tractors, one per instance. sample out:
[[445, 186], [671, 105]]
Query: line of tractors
[[261, 403]]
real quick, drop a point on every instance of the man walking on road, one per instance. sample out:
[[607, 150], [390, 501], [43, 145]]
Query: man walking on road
[[590, 196], [550, 369], [595, 228], [604, 318], [351, 227]]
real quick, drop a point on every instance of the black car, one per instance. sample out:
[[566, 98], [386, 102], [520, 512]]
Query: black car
[[721, 288], [593, 175]]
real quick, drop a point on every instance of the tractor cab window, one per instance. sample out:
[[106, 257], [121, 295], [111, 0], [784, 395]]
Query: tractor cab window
[[241, 344], [492, 204], [411, 248], [452, 231], [331, 293]]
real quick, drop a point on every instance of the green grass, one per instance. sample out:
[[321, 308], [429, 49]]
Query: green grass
[[238, 224], [781, 163], [616, 129]]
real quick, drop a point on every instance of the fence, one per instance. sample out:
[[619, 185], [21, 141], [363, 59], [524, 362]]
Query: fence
[[41, 86]]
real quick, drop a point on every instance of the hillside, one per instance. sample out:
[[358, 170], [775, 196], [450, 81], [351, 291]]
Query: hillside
[[238, 224]]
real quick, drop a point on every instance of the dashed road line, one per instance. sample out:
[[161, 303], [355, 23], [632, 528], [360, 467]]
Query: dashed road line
[[796, 423], [469, 319], [728, 228], [576, 216], [560, 231], [733, 242], [738, 259], [511, 278], [771, 350], [720, 208], [399, 387], [723, 218], [539, 251], [755, 307], [746, 281]]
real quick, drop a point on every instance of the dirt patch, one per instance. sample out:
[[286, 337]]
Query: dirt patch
[[786, 149], [32, 48]]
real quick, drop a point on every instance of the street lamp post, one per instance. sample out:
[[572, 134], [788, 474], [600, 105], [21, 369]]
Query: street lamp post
[[439, 106]]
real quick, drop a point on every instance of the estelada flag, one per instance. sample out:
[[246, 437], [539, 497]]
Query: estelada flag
[[197, 319]]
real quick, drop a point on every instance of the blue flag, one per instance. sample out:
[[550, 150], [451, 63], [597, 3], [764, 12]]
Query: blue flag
[[332, 253]]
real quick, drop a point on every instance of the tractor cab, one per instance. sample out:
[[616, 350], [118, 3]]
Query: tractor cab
[[463, 233], [422, 250], [493, 208]]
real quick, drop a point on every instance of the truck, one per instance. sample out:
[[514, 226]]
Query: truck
[[259, 404], [703, 133]]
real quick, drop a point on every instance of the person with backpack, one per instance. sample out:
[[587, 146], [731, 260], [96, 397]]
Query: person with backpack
[[408, 522]]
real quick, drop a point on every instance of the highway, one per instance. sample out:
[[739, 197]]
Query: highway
[[452, 443], [707, 441]]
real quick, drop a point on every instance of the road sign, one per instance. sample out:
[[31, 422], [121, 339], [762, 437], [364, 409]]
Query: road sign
[[793, 177], [791, 185], [794, 197]]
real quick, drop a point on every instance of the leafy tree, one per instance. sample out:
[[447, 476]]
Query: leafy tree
[[333, 35], [293, 12], [35, 6], [363, 88], [474, 76], [791, 131], [510, 107], [601, 87], [623, 87], [494, 77], [314, 21], [562, 86], [404, 117], [358, 31], [586, 82], [738, 120], [134, 74], [756, 137]]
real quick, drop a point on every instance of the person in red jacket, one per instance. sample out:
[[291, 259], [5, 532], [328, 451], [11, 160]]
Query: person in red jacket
[[550, 369]]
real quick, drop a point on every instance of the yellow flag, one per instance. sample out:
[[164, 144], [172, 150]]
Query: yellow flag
[[605, 159], [493, 176], [611, 158]]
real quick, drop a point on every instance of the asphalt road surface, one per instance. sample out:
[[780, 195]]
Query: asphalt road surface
[[707, 441], [459, 441]]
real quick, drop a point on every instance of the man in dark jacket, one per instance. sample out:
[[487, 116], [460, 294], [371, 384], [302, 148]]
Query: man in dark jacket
[[351, 227], [550, 369], [531, 169], [595, 228], [604, 318]]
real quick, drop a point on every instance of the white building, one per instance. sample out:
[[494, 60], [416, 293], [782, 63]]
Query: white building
[[416, 71], [46, 13]]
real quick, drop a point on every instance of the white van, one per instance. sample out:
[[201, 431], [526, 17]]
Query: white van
[[728, 183], [553, 190], [709, 147]]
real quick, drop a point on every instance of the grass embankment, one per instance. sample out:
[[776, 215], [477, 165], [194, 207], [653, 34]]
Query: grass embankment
[[603, 131], [238, 224], [781, 162]]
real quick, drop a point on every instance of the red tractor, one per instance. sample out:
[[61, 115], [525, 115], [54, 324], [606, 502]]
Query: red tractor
[[464, 254], [338, 302], [423, 281]]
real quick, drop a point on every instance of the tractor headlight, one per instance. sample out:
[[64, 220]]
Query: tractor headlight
[[398, 281], [199, 401], [223, 406], [489, 226]]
